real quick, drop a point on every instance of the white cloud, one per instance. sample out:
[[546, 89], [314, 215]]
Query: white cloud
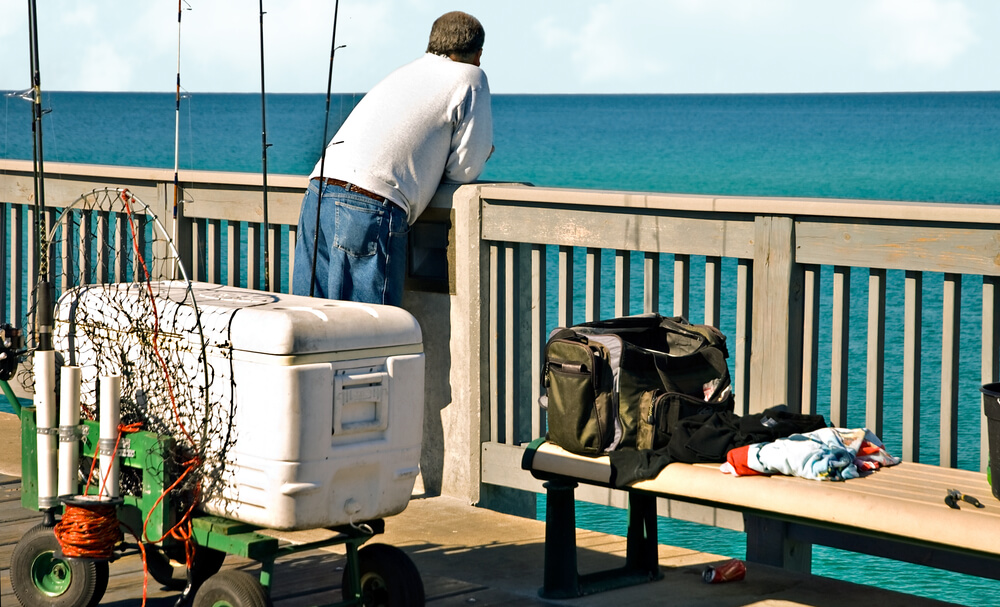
[[103, 67], [918, 33], [221, 47], [79, 16], [552, 46], [731, 10], [611, 46]]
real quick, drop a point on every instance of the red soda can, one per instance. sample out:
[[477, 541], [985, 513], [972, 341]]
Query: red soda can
[[730, 571]]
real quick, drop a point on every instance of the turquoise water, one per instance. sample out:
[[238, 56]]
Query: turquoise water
[[873, 571], [941, 147], [897, 146]]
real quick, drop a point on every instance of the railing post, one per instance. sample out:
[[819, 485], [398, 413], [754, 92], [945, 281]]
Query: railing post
[[516, 341], [592, 306], [776, 350], [912, 353], [990, 359], [457, 342], [16, 284], [4, 221], [744, 336], [875, 376], [163, 211], [812, 294], [538, 336], [951, 352], [179, 226]]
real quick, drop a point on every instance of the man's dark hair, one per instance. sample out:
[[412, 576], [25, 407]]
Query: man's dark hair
[[456, 33]]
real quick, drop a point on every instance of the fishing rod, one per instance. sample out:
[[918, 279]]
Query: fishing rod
[[43, 298], [44, 359], [322, 158], [177, 121], [263, 153]]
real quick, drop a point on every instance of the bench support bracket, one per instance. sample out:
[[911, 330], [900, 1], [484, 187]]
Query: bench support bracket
[[562, 578], [770, 542]]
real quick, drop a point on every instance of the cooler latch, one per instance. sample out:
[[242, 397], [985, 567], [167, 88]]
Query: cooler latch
[[360, 401]]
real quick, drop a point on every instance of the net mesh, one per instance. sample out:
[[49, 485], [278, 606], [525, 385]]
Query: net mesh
[[124, 306]]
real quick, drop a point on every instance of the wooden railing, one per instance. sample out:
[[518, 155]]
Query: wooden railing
[[218, 226], [831, 306], [786, 280]]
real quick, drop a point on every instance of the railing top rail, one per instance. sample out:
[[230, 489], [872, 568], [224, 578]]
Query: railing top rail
[[750, 205], [158, 175], [942, 212]]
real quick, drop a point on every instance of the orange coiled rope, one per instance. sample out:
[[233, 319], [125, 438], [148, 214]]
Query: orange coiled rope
[[90, 531]]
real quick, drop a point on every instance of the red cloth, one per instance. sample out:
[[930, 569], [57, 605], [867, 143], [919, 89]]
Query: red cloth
[[737, 458]]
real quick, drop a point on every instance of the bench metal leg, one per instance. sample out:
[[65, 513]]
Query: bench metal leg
[[562, 577], [642, 554], [769, 543]]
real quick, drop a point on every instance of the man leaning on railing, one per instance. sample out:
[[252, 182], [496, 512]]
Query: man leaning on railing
[[428, 120]]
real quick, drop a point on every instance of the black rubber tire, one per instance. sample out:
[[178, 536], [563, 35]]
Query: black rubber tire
[[207, 562], [100, 584], [232, 588], [40, 579], [388, 578]]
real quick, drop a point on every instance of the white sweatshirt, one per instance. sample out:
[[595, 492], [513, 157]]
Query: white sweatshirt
[[427, 121]]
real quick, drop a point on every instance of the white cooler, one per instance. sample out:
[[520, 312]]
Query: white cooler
[[328, 395]]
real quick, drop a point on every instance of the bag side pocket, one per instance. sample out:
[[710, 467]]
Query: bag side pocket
[[662, 411], [575, 404], [645, 429]]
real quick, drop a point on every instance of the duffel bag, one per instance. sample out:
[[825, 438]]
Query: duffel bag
[[629, 379]]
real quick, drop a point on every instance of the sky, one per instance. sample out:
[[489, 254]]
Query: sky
[[532, 46]]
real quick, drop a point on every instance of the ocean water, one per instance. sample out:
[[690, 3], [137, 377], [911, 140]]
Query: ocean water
[[941, 147]]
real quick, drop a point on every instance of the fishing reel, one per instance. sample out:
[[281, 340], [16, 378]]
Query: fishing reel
[[11, 350]]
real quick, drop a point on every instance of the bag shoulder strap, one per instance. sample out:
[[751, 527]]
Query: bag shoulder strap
[[565, 333], [707, 334]]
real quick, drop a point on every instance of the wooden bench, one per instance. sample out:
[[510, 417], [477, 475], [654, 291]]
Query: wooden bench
[[897, 513]]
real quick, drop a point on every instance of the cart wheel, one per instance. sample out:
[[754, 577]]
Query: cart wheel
[[388, 578], [41, 579], [207, 562], [100, 583], [232, 588]]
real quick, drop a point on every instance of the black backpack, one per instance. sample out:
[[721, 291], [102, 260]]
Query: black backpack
[[624, 383]]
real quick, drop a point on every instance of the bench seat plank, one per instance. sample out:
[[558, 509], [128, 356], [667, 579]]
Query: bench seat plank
[[905, 501]]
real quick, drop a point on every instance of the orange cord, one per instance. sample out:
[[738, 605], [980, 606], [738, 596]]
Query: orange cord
[[94, 530], [145, 569], [183, 530], [90, 531], [127, 198]]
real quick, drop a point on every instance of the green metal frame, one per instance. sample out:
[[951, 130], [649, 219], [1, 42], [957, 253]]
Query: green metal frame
[[143, 451], [243, 539], [12, 398], [148, 452]]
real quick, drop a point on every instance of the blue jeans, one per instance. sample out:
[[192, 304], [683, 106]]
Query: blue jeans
[[361, 247]]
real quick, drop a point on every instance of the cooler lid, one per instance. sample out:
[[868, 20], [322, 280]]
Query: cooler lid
[[248, 320], [283, 324]]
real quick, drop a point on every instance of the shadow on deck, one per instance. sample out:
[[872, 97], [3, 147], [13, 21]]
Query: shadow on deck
[[471, 556]]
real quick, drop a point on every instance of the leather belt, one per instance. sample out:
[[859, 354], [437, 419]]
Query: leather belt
[[350, 187]]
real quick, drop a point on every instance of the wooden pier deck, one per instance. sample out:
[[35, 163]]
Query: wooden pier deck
[[471, 556], [466, 556]]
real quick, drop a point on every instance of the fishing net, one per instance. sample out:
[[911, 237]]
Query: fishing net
[[124, 306]]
